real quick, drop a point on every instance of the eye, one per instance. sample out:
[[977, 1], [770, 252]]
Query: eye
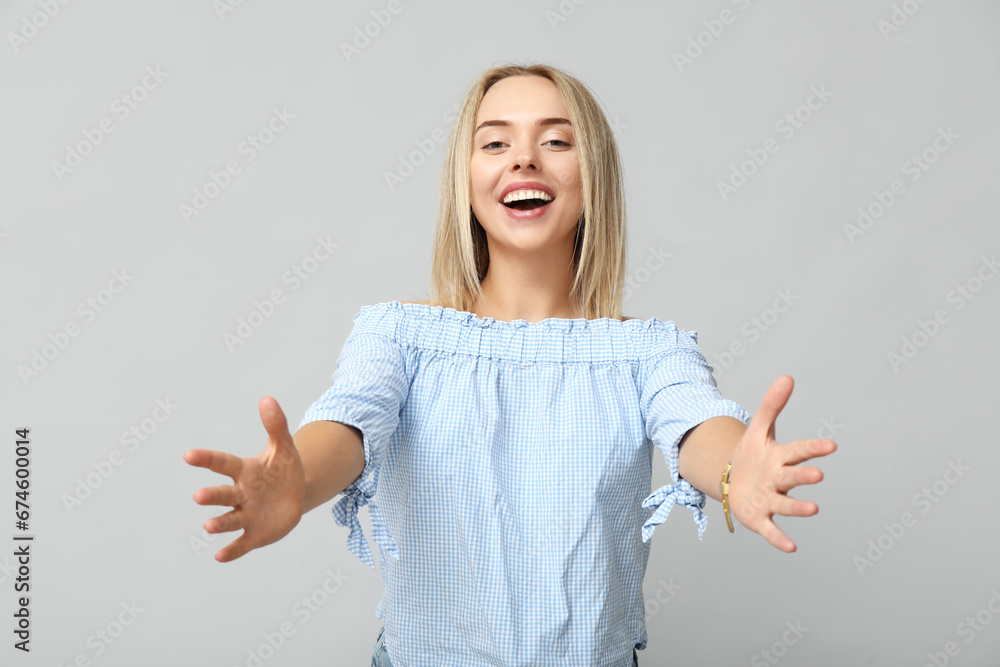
[[497, 144]]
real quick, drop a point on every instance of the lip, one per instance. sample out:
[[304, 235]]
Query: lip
[[526, 185], [526, 215]]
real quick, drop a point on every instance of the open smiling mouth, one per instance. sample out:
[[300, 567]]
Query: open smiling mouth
[[527, 200]]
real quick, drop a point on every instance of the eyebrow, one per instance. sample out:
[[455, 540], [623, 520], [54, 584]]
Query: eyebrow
[[539, 123]]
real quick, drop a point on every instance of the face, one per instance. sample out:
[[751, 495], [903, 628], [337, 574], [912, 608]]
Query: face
[[523, 140]]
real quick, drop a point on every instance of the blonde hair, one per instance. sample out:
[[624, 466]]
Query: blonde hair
[[461, 252]]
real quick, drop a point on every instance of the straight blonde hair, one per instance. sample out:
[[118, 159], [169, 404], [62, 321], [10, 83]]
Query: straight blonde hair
[[461, 252]]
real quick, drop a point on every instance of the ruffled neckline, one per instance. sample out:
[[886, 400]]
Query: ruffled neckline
[[559, 323], [418, 326]]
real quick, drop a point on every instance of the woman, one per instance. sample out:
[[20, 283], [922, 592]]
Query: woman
[[507, 424]]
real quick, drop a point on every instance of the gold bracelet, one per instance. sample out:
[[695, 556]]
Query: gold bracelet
[[724, 490]]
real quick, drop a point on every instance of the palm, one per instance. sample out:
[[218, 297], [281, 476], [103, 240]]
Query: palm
[[267, 490], [271, 497], [764, 470]]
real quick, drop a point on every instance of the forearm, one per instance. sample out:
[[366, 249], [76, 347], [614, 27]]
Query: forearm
[[706, 449], [333, 456]]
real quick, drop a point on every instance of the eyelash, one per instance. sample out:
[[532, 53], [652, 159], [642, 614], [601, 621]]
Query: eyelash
[[565, 143]]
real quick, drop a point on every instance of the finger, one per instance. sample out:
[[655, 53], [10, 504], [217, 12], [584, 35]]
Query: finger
[[223, 494], [276, 424], [226, 523], [803, 450], [234, 549], [788, 477], [773, 402], [216, 461], [770, 532], [793, 506]]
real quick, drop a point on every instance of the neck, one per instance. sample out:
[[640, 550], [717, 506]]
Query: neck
[[529, 288]]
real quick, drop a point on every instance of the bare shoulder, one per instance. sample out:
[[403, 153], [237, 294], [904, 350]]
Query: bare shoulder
[[422, 303]]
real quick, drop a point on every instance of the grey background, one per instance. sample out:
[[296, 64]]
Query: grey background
[[681, 129]]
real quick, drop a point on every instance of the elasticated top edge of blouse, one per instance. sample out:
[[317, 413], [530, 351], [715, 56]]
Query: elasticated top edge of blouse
[[453, 331]]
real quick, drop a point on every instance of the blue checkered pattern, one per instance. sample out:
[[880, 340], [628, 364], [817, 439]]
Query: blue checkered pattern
[[507, 476]]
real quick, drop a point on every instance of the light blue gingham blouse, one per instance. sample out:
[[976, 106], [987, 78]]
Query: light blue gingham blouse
[[507, 477]]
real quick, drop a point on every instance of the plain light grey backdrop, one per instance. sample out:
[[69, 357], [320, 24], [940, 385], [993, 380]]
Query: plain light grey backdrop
[[820, 177]]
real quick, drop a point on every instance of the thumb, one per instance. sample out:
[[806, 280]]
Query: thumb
[[773, 403], [275, 423]]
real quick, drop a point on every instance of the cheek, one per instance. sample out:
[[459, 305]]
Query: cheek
[[568, 175], [482, 180], [571, 184]]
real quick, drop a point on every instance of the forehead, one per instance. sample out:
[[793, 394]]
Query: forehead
[[521, 98]]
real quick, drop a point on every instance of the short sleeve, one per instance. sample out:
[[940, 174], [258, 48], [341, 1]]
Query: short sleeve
[[678, 392], [369, 388]]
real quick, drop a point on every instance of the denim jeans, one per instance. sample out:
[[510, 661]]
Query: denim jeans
[[380, 657]]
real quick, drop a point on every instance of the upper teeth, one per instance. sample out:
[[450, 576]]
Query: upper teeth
[[526, 194]]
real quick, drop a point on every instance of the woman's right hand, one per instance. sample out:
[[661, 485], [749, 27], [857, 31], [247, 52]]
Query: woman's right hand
[[268, 493]]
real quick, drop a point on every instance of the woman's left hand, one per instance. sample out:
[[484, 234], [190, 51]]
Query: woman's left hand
[[764, 470]]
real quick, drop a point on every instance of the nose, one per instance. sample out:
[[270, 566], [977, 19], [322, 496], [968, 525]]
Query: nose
[[524, 157]]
